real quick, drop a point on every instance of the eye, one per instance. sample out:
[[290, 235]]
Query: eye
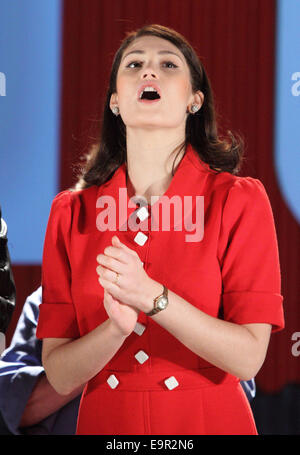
[[139, 63], [132, 63], [171, 63]]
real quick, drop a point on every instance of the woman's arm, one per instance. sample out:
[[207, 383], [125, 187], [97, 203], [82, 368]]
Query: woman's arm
[[237, 349], [70, 363]]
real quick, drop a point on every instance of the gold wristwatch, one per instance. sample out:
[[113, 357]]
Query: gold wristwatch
[[160, 303]]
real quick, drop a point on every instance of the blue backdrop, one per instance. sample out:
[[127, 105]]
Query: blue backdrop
[[30, 44], [287, 97]]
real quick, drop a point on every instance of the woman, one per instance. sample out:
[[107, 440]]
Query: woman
[[160, 316]]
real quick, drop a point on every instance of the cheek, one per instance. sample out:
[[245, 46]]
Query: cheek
[[125, 92], [181, 91], [120, 85]]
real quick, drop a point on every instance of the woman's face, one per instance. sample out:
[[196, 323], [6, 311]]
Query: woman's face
[[156, 61]]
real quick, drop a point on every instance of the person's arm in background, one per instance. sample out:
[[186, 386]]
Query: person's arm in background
[[43, 401], [249, 388], [7, 284], [26, 397]]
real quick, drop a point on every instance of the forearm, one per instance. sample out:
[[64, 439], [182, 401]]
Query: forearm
[[229, 346], [72, 364], [43, 401]]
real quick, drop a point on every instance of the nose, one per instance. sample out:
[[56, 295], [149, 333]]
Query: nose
[[148, 71]]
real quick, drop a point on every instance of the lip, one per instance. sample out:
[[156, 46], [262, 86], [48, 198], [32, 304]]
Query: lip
[[148, 84]]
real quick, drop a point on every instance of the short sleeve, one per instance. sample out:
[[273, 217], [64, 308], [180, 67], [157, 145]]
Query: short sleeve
[[57, 317], [251, 290]]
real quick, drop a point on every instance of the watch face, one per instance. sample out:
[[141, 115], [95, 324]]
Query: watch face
[[162, 303]]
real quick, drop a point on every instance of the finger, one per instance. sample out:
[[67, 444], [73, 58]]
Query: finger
[[112, 288], [117, 242], [106, 273], [108, 297], [110, 263], [117, 253], [109, 303]]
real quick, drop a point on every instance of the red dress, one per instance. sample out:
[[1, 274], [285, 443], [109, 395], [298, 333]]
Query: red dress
[[231, 272]]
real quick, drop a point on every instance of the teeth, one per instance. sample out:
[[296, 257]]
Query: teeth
[[147, 89]]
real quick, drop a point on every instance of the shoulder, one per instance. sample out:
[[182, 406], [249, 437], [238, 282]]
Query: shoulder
[[74, 211], [245, 198], [71, 198], [248, 191], [69, 207], [242, 189], [247, 184]]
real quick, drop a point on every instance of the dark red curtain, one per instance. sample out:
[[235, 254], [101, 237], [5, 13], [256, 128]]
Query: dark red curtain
[[236, 41]]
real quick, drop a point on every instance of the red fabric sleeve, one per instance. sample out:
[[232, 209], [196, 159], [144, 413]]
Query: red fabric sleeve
[[250, 263], [57, 317]]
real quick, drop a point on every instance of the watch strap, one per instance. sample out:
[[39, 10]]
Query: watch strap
[[156, 309]]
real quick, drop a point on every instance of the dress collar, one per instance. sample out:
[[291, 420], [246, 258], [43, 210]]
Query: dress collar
[[190, 171]]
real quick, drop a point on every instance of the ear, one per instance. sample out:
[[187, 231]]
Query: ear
[[197, 98], [113, 100]]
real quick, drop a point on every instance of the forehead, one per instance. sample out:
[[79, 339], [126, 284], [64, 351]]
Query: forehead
[[152, 43]]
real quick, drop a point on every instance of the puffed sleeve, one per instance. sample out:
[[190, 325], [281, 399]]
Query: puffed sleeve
[[250, 261], [57, 317]]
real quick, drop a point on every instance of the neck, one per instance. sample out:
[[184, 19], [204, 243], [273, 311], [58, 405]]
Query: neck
[[150, 157]]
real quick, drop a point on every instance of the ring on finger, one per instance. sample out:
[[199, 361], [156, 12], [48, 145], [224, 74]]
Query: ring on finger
[[117, 278]]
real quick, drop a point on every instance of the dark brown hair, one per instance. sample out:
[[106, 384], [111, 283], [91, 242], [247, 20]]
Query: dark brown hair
[[109, 152]]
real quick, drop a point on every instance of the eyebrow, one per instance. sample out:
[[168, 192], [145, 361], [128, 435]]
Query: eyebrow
[[143, 52]]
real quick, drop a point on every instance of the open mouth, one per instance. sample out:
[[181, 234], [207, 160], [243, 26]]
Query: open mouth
[[149, 94]]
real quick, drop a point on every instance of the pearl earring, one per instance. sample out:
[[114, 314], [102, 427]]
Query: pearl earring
[[115, 110], [194, 108]]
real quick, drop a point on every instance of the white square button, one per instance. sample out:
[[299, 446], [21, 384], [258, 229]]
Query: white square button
[[141, 356], [112, 381], [171, 383], [140, 238], [139, 328], [142, 213]]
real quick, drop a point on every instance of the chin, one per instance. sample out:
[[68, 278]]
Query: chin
[[157, 122]]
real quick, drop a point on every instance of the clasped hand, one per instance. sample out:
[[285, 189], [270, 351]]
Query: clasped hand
[[125, 283]]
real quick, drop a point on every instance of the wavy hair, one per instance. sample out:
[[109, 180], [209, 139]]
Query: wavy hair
[[107, 154]]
